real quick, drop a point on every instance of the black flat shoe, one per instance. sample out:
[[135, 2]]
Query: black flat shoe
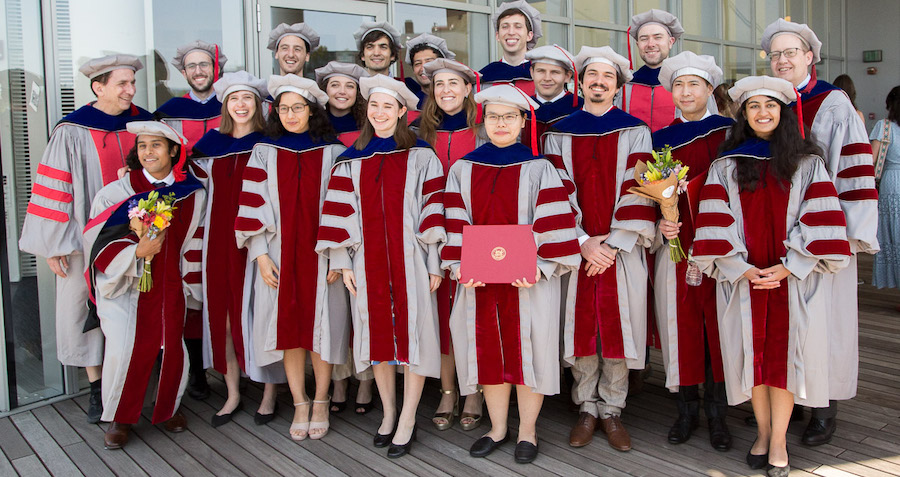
[[484, 446], [263, 419], [384, 440], [198, 387], [217, 420], [400, 450], [757, 461], [525, 452], [337, 407], [366, 407], [773, 471], [719, 437]]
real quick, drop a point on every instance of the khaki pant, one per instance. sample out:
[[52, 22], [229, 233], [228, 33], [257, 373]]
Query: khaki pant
[[601, 385]]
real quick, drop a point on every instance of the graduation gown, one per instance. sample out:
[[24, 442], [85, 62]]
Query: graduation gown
[[346, 128], [223, 160], [596, 158], [190, 118], [503, 334], [546, 115], [85, 151], [686, 314], [139, 326], [384, 219], [280, 205], [835, 126], [646, 99], [454, 140], [772, 337], [502, 72]]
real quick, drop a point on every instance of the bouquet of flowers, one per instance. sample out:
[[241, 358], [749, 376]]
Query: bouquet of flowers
[[149, 217], [661, 181]]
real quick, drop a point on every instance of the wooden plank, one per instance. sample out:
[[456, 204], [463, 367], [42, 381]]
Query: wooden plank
[[6, 467], [30, 466], [87, 460], [50, 453], [119, 462], [11, 441], [61, 431], [184, 452]]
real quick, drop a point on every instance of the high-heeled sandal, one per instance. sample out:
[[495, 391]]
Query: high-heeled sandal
[[300, 426], [476, 418], [448, 417], [316, 425]]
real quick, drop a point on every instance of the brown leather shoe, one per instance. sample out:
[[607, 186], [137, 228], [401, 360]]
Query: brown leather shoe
[[178, 423], [615, 433], [116, 436], [583, 432]]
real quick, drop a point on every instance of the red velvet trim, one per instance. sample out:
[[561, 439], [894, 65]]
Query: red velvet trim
[[714, 219], [454, 225], [198, 234], [337, 209], [333, 234], [195, 256], [193, 277], [829, 247], [856, 148], [111, 147], [713, 192], [636, 212], [554, 222], [46, 213], [555, 194], [433, 185], [433, 220], [818, 190], [825, 218], [255, 174], [341, 183], [434, 199], [712, 248], [245, 224], [859, 194], [47, 171], [453, 200], [634, 157], [451, 252], [251, 199], [559, 249], [109, 253], [862, 170], [51, 194]]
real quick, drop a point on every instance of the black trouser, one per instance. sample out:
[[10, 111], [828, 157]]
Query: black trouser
[[715, 400], [829, 412]]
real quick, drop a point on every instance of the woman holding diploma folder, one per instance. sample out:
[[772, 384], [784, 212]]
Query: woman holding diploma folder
[[507, 334]]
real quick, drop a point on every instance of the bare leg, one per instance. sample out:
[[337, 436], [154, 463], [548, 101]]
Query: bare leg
[[267, 404], [93, 372], [322, 373], [295, 369], [386, 379], [339, 394], [782, 405], [232, 374], [497, 398], [530, 404], [412, 393], [759, 399]]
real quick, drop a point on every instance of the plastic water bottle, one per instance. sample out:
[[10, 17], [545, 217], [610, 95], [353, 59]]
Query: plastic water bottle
[[693, 276]]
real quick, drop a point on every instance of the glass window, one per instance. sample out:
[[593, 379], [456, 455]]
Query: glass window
[[701, 48], [767, 11], [548, 7], [466, 33], [700, 17], [585, 36], [796, 11], [610, 11], [835, 27], [641, 6], [738, 63], [818, 23], [835, 68], [737, 21], [555, 33], [762, 64]]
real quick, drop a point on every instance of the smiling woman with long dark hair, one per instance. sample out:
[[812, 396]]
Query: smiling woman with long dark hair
[[771, 231]]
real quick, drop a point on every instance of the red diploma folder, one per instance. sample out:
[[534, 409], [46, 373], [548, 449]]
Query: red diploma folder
[[498, 253]]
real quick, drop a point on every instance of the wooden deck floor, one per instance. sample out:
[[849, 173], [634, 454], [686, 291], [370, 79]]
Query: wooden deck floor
[[55, 440]]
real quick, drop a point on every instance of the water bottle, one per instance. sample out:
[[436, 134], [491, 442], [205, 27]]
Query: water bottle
[[693, 276]]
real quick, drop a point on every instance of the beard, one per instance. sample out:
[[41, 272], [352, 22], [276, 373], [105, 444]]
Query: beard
[[200, 89]]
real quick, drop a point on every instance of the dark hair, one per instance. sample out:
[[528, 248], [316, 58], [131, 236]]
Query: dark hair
[[432, 115], [788, 148], [511, 12], [620, 79], [420, 48], [358, 110], [133, 163], [372, 37], [723, 101], [102, 79], [892, 103], [846, 83], [257, 122], [320, 127], [403, 135]]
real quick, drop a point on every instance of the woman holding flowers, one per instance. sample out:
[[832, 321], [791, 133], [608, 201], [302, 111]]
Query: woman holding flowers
[[298, 306], [382, 227], [222, 154], [771, 232], [447, 122]]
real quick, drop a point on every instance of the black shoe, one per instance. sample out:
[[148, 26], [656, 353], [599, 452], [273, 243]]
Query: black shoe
[[819, 431], [95, 404], [337, 407], [384, 440], [773, 471], [757, 461], [719, 437], [217, 420], [484, 446], [198, 388], [263, 419], [366, 407], [525, 452], [682, 429], [400, 450]]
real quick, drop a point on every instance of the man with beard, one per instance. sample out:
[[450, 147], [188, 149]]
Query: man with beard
[[827, 113], [517, 27], [292, 45], [85, 152], [552, 67], [655, 32], [378, 46], [604, 333], [191, 116], [198, 111]]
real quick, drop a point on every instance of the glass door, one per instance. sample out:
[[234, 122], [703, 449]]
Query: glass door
[[334, 21]]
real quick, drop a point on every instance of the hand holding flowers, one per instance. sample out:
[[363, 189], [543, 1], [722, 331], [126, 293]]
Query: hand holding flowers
[[148, 218]]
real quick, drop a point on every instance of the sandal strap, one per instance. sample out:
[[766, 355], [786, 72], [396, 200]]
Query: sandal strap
[[326, 401], [304, 403], [448, 391]]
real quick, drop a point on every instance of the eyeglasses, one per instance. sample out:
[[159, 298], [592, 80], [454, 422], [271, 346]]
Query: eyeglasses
[[202, 65], [495, 118], [297, 108], [787, 52]]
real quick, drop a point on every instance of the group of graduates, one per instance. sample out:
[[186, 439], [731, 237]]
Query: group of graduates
[[325, 217]]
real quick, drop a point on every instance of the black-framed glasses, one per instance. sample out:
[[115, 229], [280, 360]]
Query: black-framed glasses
[[203, 65], [787, 52], [297, 108]]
